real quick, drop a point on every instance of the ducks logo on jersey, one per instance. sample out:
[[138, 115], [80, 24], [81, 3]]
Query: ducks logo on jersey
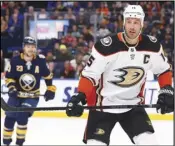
[[129, 76]]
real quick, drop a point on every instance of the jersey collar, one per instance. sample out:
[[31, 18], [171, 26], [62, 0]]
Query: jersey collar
[[22, 56]]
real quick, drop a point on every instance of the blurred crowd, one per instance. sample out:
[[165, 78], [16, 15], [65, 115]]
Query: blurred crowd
[[67, 56]]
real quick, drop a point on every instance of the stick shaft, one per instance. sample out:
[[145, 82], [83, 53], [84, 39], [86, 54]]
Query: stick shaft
[[6, 107]]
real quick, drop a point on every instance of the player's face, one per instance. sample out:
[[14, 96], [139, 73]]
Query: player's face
[[29, 50], [132, 27]]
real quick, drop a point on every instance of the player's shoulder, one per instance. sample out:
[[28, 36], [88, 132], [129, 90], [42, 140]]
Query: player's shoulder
[[16, 59], [108, 45], [40, 57], [149, 43]]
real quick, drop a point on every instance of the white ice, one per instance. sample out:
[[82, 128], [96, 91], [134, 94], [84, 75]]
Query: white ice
[[69, 131]]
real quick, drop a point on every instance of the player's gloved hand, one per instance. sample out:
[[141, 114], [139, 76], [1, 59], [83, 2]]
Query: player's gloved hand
[[74, 106], [12, 92], [50, 93], [166, 100]]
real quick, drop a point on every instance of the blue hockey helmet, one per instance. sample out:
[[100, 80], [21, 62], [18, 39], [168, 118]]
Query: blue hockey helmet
[[29, 40]]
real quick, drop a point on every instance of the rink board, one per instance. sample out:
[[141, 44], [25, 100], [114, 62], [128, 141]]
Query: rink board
[[66, 88], [85, 115]]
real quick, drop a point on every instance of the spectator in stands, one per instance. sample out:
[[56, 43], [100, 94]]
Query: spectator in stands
[[39, 51], [83, 48], [51, 66], [85, 58], [109, 23], [43, 14], [4, 27], [30, 13], [4, 38], [103, 8], [73, 47], [14, 26], [15, 53], [75, 31], [63, 54], [168, 46], [3, 11], [2, 65], [51, 5], [87, 36], [90, 45], [90, 7], [49, 56], [81, 21], [154, 32], [116, 29], [69, 38], [113, 11], [79, 70], [68, 4], [103, 31], [146, 28], [60, 7], [23, 7], [11, 6], [76, 61], [55, 14], [60, 17], [17, 12], [92, 30], [120, 21], [168, 30], [70, 16], [55, 50], [67, 72], [81, 41], [76, 8], [4, 5]]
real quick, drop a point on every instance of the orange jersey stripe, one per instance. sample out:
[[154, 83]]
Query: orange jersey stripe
[[86, 86], [165, 79], [120, 37]]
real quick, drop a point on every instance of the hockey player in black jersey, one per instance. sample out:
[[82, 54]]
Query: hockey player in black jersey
[[115, 75], [23, 80]]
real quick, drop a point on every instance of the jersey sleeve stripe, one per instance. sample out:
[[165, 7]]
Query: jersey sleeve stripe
[[165, 79]]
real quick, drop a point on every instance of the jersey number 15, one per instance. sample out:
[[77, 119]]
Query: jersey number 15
[[90, 61]]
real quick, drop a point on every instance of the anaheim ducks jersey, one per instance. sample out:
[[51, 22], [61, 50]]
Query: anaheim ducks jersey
[[25, 76], [119, 71]]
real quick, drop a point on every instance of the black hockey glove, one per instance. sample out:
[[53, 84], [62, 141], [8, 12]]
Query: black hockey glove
[[74, 106], [166, 100], [12, 92], [50, 93]]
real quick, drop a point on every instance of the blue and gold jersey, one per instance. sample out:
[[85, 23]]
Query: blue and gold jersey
[[25, 76]]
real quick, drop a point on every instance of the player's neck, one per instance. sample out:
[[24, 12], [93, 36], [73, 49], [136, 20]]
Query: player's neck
[[28, 58], [130, 41]]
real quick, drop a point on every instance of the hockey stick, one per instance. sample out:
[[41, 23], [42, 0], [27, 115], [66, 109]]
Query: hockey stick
[[6, 107], [25, 92]]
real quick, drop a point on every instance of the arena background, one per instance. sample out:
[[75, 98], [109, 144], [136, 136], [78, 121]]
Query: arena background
[[65, 33]]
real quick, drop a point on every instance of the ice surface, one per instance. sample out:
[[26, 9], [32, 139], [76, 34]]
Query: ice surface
[[69, 131]]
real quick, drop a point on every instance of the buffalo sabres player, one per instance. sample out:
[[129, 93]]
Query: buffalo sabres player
[[23, 80], [115, 75]]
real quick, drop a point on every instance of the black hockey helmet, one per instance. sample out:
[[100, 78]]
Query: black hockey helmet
[[29, 40]]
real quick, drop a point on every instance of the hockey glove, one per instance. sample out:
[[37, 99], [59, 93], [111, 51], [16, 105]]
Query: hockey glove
[[12, 92], [50, 93], [166, 100], [74, 106]]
